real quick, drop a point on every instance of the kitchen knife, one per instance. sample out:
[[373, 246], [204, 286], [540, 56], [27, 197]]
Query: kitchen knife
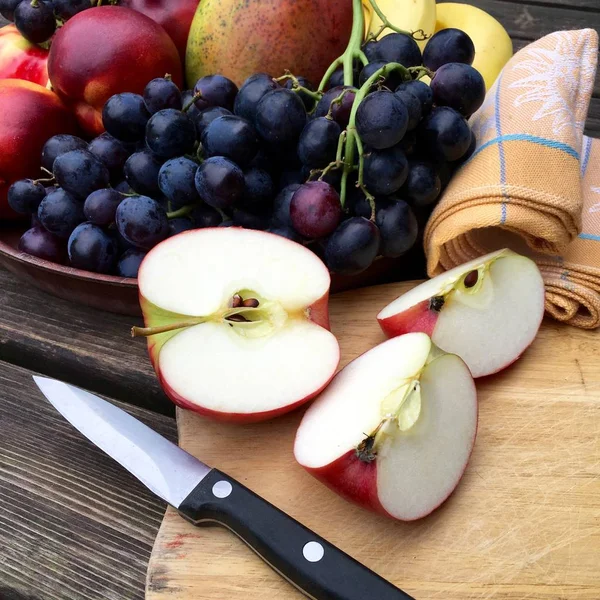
[[205, 496]]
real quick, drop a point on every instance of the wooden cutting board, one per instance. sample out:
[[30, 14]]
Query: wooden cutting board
[[523, 523]]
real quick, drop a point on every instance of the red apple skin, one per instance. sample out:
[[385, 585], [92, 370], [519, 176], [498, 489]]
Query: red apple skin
[[352, 479], [174, 15], [29, 115], [105, 51], [20, 59], [418, 318]]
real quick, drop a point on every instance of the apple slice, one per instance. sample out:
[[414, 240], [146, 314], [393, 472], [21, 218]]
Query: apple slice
[[488, 311], [237, 322], [395, 428]]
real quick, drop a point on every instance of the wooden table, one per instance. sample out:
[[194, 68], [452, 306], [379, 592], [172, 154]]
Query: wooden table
[[73, 524]]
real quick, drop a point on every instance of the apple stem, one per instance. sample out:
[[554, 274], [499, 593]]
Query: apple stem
[[148, 331], [418, 35]]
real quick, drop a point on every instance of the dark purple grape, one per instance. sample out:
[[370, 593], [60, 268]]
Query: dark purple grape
[[204, 118], [129, 263], [280, 118], [179, 225], [25, 195], [188, 104], [100, 206], [79, 172], [125, 117], [170, 133], [142, 221], [444, 134], [470, 151], [65, 9], [385, 171], [352, 247], [249, 220], [448, 46], [398, 227], [458, 86], [389, 80], [258, 190], [340, 111], [59, 213], [398, 48], [162, 93], [123, 187], [370, 50], [409, 143], [176, 180], [35, 21], [290, 177], [422, 91], [92, 249], [318, 142], [423, 184], [315, 209], [205, 216], [281, 205], [263, 162], [112, 153], [381, 120], [215, 90], [60, 144], [337, 79], [35, 222], [141, 172], [220, 182], [7, 9], [251, 93], [413, 106], [357, 204], [231, 137], [309, 102], [39, 242], [285, 231]]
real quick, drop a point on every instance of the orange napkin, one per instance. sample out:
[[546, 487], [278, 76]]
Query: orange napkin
[[523, 186]]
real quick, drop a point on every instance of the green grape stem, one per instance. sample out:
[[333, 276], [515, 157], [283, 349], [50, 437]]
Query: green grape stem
[[352, 139], [353, 50], [418, 35], [296, 87], [184, 211]]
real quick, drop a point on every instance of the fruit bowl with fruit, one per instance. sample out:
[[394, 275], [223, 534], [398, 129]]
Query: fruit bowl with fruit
[[350, 168]]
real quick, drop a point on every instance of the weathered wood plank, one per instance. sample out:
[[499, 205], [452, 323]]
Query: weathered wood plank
[[74, 525], [76, 344]]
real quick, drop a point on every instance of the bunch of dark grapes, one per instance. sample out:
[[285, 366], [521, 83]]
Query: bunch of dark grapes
[[37, 20], [271, 155]]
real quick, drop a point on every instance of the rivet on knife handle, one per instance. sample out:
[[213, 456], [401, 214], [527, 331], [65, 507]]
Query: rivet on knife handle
[[317, 568]]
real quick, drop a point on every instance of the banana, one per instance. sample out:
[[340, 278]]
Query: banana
[[410, 15]]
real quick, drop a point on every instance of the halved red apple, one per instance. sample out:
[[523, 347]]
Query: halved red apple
[[394, 430], [488, 311], [237, 322]]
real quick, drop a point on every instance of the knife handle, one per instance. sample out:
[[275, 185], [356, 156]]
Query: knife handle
[[317, 568]]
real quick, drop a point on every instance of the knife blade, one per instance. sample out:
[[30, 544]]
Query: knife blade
[[205, 496]]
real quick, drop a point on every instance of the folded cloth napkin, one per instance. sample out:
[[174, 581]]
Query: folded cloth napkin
[[522, 188]]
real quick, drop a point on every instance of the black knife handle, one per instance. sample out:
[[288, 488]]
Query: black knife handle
[[317, 568]]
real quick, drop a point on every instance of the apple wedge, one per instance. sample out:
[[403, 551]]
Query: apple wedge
[[487, 311], [394, 430], [237, 322]]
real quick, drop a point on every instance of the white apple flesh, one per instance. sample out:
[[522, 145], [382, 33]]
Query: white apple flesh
[[487, 311], [237, 322], [394, 430]]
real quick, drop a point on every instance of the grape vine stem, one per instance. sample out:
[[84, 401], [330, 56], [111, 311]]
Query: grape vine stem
[[418, 35]]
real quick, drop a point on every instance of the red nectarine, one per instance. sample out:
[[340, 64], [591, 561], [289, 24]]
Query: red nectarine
[[106, 51], [29, 115], [20, 59]]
